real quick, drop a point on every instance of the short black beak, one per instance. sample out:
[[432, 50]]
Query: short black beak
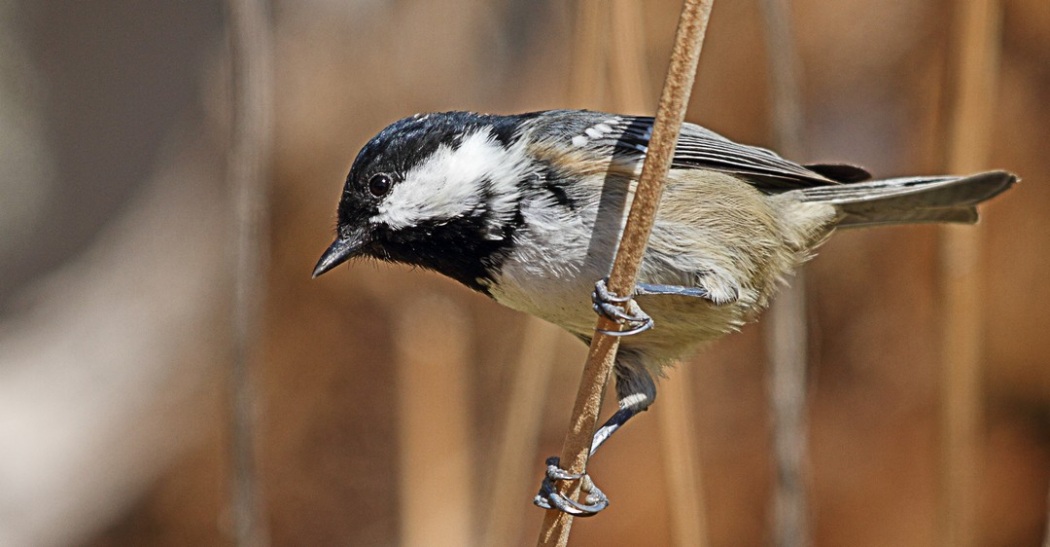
[[341, 250]]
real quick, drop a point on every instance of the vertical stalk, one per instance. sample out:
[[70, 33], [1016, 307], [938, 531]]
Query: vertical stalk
[[975, 45], [436, 473], [627, 66], [669, 116], [678, 436], [682, 474], [251, 140], [588, 83], [520, 432], [786, 332]]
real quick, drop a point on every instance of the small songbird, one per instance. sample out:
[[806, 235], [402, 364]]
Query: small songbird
[[528, 209]]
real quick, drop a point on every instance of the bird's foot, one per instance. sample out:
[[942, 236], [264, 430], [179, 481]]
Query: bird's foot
[[593, 499], [621, 309]]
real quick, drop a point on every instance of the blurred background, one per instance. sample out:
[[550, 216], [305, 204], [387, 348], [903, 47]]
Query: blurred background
[[382, 393]]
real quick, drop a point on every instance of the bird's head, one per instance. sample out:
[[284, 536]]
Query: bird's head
[[440, 191]]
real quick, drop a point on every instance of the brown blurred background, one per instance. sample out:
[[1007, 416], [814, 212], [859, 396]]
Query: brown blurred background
[[114, 282]]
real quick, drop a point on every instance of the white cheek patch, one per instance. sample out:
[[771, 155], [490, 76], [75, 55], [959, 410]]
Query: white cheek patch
[[480, 175]]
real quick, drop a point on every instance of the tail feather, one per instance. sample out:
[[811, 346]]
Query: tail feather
[[912, 199]]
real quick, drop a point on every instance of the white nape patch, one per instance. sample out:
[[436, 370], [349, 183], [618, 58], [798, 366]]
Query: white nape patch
[[580, 141], [479, 175]]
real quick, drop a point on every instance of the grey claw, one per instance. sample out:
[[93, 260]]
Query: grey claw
[[603, 294], [612, 311], [645, 325], [594, 500], [556, 473], [606, 305]]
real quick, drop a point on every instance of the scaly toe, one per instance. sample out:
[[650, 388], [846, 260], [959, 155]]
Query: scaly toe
[[620, 309], [594, 500]]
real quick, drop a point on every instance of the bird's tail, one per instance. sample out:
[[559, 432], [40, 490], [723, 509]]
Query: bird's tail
[[912, 199]]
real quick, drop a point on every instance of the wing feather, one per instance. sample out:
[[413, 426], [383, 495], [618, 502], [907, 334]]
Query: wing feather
[[700, 148]]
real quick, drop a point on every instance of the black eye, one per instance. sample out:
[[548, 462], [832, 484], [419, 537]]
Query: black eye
[[380, 184]]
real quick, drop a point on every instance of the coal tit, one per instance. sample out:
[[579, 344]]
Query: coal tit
[[528, 209]]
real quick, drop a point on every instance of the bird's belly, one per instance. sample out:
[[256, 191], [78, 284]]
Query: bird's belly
[[564, 301], [681, 322]]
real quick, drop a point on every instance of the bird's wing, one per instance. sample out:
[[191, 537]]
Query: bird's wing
[[700, 148]]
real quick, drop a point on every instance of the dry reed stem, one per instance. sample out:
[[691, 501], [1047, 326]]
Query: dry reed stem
[[975, 44], [587, 86], [669, 116], [251, 45], [436, 478], [786, 340], [521, 425], [785, 327], [630, 77], [1046, 531], [682, 474], [678, 435], [520, 432]]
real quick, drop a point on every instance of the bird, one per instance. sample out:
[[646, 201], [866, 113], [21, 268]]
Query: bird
[[528, 209]]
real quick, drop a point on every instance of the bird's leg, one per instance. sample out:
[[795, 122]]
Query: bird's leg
[[594, 500], [716, 289], [671, 290], [621, 309], [624, 310], [635, 391]]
